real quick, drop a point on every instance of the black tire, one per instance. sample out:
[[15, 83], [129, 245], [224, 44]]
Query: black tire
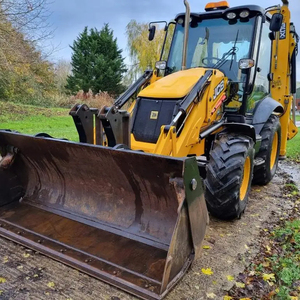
[[229, 175], [271, 132]]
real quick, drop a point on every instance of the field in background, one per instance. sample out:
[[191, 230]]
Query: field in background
[[29, 119]]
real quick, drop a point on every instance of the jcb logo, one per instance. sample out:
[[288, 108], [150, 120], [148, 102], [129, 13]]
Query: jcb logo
[[282, 32], [218, 89], [154, 115]]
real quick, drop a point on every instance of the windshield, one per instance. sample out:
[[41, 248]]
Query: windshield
[[214, 43]]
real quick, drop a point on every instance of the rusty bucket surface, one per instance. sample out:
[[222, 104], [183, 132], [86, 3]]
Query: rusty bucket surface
[[133, 220]]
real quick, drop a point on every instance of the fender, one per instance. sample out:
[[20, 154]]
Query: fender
[[241, 128], [263, 111]]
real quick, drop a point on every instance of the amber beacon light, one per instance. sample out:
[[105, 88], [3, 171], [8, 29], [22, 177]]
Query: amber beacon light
[[216, 5]]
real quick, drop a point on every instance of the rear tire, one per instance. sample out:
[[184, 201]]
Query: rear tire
[[229, 175], [269, 151]]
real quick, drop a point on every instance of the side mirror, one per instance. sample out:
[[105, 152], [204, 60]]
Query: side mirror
[[276, 22], [152, 30]]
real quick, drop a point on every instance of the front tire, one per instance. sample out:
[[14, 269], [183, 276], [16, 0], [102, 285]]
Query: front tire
[[269, 151], [229, 175]]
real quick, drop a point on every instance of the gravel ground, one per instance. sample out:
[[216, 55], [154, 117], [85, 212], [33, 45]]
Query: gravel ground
[[230, 247]]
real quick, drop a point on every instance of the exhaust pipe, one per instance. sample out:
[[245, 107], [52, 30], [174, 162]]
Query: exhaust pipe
[[186, 33]]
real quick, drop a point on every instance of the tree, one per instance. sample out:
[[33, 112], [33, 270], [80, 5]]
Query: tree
[[24, 75], [143, 53], [29, 17], [97, 63], [62, 70]]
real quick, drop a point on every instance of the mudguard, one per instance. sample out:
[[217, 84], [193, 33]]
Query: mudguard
[[263, 111]]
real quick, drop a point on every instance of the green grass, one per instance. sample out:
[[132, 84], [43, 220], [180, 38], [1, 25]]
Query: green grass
[[285, 263], [293, 148], [297, 117], [32, 120]]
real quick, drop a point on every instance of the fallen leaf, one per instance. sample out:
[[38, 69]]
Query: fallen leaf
[[266, 264], [268, 249], [2, 280], [206, 247], [292, 298], [227, 298], [20, 267], [197, 287], [230, 278], [5, 259], [246, 247], [26, 255], [240, 284], [211, 295], [51, 284], [207, 271], [214, 282], [46, 293], [268, 277], [1, 292], [245, 299], [35, 275]]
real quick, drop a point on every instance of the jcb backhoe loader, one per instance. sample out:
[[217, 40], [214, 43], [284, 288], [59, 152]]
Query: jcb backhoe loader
[[126, 203]]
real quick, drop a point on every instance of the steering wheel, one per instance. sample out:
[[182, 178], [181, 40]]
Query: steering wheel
[[207, 61]]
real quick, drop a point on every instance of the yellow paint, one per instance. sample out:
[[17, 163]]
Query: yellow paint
[[200, 117], [176, 85], [280, 86], [245, 179], [274, 150]]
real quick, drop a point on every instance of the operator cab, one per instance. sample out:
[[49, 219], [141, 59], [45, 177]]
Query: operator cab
[[224, 38], [220, 38]]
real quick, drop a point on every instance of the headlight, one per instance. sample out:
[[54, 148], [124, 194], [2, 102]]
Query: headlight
[[231, 15], [161, 65], [180, 21], [246, 63], [244, 14]]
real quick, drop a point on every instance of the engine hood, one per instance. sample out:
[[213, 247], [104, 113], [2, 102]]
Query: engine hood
[[176, 85]]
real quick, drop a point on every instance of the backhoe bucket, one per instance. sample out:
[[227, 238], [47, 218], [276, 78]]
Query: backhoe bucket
[[131, 219]]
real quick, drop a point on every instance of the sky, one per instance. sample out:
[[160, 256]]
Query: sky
[[69, 17]]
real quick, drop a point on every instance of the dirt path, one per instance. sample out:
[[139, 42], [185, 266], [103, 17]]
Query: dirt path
[[230, 247]]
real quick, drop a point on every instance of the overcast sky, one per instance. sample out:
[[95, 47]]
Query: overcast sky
[[69, 17]]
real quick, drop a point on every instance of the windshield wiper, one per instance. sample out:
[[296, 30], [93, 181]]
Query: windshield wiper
[[232, 52]]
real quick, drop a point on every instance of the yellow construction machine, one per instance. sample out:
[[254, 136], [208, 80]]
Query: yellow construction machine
[[126, 204]]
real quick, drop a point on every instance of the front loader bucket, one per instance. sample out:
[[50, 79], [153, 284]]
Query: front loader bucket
[[131, 219]]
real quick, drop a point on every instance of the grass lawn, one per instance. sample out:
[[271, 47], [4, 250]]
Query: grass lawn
[[293, 148], [31, 120]]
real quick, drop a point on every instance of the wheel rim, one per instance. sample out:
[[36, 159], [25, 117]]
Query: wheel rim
[[274, 151], [245, 179]]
